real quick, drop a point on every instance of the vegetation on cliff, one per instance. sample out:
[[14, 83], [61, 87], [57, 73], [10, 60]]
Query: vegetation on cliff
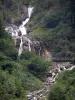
[[52, 23], [64, 88], [17, 74]]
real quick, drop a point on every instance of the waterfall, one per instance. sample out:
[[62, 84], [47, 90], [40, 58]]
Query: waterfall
[[14, 30], [22, 28], [20, 48], [29, 42]]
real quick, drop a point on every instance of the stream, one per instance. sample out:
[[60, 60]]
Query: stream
[[51, 79], [14, 31]]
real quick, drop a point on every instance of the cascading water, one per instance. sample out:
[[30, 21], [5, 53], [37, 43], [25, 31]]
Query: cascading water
[[24, 32], [14, 31], [29, 42], [20, 48], [22, 28]]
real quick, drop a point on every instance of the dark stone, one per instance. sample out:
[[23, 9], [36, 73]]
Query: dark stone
[[49, 74], [61, 69]]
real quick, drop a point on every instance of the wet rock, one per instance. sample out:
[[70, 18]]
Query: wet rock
[[18, 42], [61, 69]]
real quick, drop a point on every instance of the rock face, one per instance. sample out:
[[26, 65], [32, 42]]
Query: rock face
[[47, 54], [23, 36], [19, 33]]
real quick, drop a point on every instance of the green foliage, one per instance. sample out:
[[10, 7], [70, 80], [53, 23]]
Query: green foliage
[[26, 55], [39, 67], [17, 70], [29, 81], [7, 47], [64, 88], [53, 24], [35, 64], [10, 87], [48, 20], [15, 78], [3, 57], [6, 44], [56, 94]]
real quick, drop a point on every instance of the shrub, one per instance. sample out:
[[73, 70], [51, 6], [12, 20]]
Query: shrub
[[64, 89], [26, 55], [39, 67], [57, 93], [10, 87]]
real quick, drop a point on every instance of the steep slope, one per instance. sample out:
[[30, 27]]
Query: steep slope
[[53, 23], [17, 75], [64, 88]]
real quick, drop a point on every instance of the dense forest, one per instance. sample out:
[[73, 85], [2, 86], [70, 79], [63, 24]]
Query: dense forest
[[53, 24]]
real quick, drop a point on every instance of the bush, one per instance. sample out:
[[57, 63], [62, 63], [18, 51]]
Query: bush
[[10, 88], [35, 64], [29, 81], [3, 57], [64, 89], [39, 67], [57, 93], [7, 47], [11, 66], [26, 55]]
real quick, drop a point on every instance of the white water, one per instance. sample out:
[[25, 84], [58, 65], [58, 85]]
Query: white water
[[29, 42], [43, 93], [22, 28], [20, 48], [14, 31], [24, 32]]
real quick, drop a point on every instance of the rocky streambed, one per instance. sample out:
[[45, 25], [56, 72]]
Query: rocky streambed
[[51, 79]]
